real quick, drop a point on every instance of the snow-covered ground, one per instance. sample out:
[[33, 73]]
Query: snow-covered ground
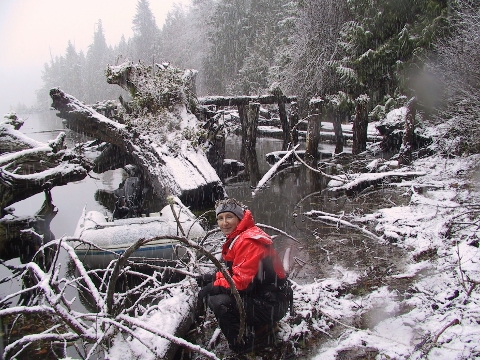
[[435, 314], [429, 308]]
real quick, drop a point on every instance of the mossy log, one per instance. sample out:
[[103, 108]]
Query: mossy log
[[183, 171]]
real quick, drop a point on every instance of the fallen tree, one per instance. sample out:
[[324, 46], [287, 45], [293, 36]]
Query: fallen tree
[[158, 132], [29, 167]]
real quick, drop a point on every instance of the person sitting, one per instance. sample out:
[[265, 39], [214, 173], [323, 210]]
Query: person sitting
[[258, 275]]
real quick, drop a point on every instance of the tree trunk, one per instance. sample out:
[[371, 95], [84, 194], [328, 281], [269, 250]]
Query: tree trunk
[[30, 165], [285, 125], [337, 129], [360, 125], [313, 131], [249, 121], [244, 100], [293, 118], [184, 172], [405, 155]]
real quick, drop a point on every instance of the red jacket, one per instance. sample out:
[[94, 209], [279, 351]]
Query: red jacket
[[245, 249]]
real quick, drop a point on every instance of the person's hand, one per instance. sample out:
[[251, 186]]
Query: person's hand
[[202, 298], [204, 279]]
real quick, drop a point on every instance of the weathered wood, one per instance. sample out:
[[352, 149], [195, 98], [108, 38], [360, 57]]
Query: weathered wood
[[293, 122], [360, 125], [244, 100], [14, 188], [178, 172], [285, 125], [25, 171], [22, 236], [405, 155], [250, 160], [12, 140], [313, 131], [334, 115], [251, 124]]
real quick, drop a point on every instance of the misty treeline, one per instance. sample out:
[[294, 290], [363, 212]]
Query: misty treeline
[[389, 50]]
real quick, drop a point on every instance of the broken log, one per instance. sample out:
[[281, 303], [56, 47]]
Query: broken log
[[30, 165], [167, 161], [244, 100]]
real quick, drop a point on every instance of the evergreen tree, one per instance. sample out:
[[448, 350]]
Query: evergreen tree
[[229, 38], [73, 67], [123, 51], [265, 41], [98, 57], [145, 33], [384, 41], [312, 34], [183, 38]]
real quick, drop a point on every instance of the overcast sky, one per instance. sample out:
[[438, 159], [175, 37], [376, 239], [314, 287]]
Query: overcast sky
[[33, 30]]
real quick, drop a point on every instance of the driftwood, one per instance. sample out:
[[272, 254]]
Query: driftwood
[[30, 165], [354, 184], [244, 100], [180, 172]]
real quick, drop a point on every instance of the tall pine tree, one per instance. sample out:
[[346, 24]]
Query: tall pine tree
[[145, 33]]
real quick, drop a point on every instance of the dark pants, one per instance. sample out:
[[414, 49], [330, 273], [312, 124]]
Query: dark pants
[[262, 312]]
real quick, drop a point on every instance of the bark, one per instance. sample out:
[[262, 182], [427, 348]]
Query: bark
[[146, 153], [360, 125], [244, 100], [313, 131], [285, 125], [30, 165], [337, 128], [293, 122], [14, 188], [405, 156], [251, 125], [22, 236]]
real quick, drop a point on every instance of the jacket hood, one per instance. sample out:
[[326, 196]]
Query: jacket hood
[[255, 233]]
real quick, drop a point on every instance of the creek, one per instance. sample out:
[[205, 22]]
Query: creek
[[322, 251]]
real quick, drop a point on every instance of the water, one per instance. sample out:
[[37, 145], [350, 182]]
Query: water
[[321, 250], [69, 199], [280, 204]]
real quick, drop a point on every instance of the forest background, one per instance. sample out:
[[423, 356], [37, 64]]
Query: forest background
[[389, 50]]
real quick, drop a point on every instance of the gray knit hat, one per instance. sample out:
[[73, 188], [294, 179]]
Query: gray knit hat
[[229, 205]]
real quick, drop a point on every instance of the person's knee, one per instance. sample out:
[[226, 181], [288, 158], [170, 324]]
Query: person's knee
[[219, 304]]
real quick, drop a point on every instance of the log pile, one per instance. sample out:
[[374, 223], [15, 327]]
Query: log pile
[[29, 167], [158, 132]]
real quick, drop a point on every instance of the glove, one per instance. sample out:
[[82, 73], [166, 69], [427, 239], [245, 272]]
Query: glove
[[204, 279], [208, 290], [202, 299]]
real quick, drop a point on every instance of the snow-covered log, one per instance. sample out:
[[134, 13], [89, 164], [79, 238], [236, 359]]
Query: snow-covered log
[[355, 183], [27, 165], [168, 161], [244, 100]]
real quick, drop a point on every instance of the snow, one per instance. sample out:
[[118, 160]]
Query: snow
[[438, 294], [167, 319], [436, 316], [190, 171]]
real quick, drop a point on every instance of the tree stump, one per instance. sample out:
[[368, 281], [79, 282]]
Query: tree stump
[[313, 131], [360, 125], [405, 155]]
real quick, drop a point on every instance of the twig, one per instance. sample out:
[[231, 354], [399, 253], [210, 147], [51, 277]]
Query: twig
[[174, 339], [451, 323]]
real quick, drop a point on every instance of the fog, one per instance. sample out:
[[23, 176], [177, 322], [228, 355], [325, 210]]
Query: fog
[[31, 32]]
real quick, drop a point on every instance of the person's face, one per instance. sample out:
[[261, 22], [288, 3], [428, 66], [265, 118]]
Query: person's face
[[227, 222]]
